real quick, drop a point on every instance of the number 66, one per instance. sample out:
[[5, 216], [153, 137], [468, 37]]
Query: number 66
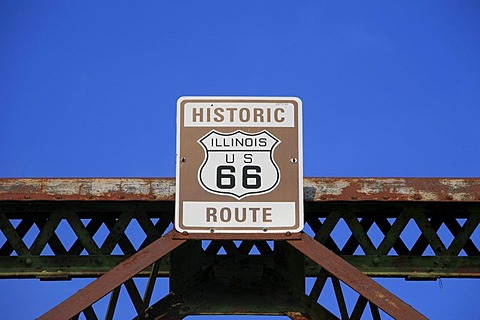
[[226, 179]]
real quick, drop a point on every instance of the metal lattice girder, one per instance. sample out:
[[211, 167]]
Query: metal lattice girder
[[237, 284], [63, 228], [36, 236], [109, 282], [65, 239]]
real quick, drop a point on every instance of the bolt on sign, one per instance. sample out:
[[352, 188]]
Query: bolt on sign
[[239, 165]]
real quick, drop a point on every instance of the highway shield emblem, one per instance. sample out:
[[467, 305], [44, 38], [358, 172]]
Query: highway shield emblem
[[239, 164]]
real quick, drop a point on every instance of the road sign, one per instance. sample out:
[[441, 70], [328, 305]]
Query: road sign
[[239, 165]]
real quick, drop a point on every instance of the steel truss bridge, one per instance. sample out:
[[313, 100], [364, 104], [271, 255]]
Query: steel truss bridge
[[354, 229]]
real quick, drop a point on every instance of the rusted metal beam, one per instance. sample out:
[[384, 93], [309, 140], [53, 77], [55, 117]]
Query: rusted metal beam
[[315, 189], [114, 278], [355, 279], [392, 189], [85, 189], [297, 316]]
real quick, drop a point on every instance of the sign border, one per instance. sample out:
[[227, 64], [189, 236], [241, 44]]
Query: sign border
[[233, 99]]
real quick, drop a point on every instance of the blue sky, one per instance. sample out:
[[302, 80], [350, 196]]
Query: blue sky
[[389, 88]]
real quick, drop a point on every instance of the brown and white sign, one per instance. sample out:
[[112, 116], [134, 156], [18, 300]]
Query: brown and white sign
[[239, 165]]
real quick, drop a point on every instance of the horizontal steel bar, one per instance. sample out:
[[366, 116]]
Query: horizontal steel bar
[[413, 267], [409, 267], [165, 209], [315, 189], [85, 189], [67, 267]]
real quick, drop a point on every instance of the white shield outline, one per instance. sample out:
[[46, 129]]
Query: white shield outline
[[246, 194]]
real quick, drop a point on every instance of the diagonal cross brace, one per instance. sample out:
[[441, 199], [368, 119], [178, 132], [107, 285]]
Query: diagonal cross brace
[[355, 279], [112, 279]]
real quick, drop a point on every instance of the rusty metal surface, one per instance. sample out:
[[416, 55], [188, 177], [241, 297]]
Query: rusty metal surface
[[315, 189], [297, 316], [392, 189], [355, 279], [109, 189], [114, 278]]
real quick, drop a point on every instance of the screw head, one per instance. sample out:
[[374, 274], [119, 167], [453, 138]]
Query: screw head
[[28, 262]]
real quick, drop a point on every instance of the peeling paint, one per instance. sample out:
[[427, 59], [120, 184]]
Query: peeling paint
[[334, 188], [315, 189], [454, 184], [135, 186], [61, 187]]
